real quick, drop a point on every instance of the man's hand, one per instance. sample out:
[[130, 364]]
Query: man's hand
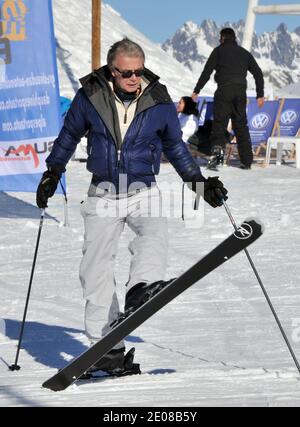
[[195, 96], [47, 187], [260, 102], [214, 191]]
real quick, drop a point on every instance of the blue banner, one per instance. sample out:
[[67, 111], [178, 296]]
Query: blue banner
[[261, 120], [289, 122], [29, 94]]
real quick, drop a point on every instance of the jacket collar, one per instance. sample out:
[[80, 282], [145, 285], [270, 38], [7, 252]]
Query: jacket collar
[[96, 86], [100, 79]]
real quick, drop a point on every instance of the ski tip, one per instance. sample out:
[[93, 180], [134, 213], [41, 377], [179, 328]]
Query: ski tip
[[249, 230], [257, 222]]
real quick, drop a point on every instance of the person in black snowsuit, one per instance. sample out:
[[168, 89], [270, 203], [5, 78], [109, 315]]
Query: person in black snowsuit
[[231, 63]]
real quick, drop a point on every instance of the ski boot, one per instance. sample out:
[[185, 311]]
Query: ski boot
[[115, 363], [245, 167], [216, 159], [141, 293]]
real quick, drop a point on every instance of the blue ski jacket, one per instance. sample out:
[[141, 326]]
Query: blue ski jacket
[[154, 129]]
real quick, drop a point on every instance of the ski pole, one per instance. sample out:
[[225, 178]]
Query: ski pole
[[66, 217], [15, 366], [264, 291]]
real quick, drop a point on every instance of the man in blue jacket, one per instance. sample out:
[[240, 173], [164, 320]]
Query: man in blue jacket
[[129, 119]]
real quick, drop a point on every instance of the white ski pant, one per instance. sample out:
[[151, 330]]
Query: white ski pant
[[104, 221]]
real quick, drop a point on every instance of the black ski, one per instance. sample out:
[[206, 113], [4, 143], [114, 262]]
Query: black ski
[[247, 233]]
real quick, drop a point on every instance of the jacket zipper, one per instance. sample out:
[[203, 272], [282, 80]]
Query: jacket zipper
[[126, 107], [152, 148], [119, 158], [125, 121]]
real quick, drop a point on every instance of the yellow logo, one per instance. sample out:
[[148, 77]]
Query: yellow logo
[[13, 20]]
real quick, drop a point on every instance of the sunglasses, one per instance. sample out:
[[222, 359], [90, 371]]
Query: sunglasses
[[129, 73]]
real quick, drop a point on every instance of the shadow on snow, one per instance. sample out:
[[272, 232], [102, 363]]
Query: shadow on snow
[[12, 207], [50, 345]]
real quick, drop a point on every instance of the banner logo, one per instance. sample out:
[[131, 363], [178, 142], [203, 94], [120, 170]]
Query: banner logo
[[288, 117], [12, 23], [244, 231], [26, 152], [260, 121]]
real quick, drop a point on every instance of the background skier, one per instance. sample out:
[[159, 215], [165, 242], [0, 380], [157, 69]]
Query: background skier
[[231, 63]]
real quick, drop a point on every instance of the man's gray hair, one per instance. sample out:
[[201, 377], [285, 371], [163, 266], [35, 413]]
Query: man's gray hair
[[126, 47]]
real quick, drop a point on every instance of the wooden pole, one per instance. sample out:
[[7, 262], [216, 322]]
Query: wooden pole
[[96, 34]]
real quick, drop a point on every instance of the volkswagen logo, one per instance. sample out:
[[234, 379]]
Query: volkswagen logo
[[244, 231], [203, 114], [288, 117], [260, 121]]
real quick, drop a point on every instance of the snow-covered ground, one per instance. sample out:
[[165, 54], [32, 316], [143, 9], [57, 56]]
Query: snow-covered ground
[[216, 344]]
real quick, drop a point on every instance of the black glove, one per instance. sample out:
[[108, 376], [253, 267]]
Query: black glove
[[214, 190], [47, 186]]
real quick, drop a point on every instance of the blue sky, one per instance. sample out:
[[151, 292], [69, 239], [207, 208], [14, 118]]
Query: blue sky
[[159, 19]]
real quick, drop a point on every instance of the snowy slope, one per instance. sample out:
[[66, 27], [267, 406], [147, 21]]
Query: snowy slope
[[72, 21], [217, 344]]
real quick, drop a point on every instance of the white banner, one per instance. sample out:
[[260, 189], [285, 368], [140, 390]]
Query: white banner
[[24, 157]]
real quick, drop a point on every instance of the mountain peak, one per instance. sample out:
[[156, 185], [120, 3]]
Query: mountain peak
[[190, 27], [208, 23], [211, 32]]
